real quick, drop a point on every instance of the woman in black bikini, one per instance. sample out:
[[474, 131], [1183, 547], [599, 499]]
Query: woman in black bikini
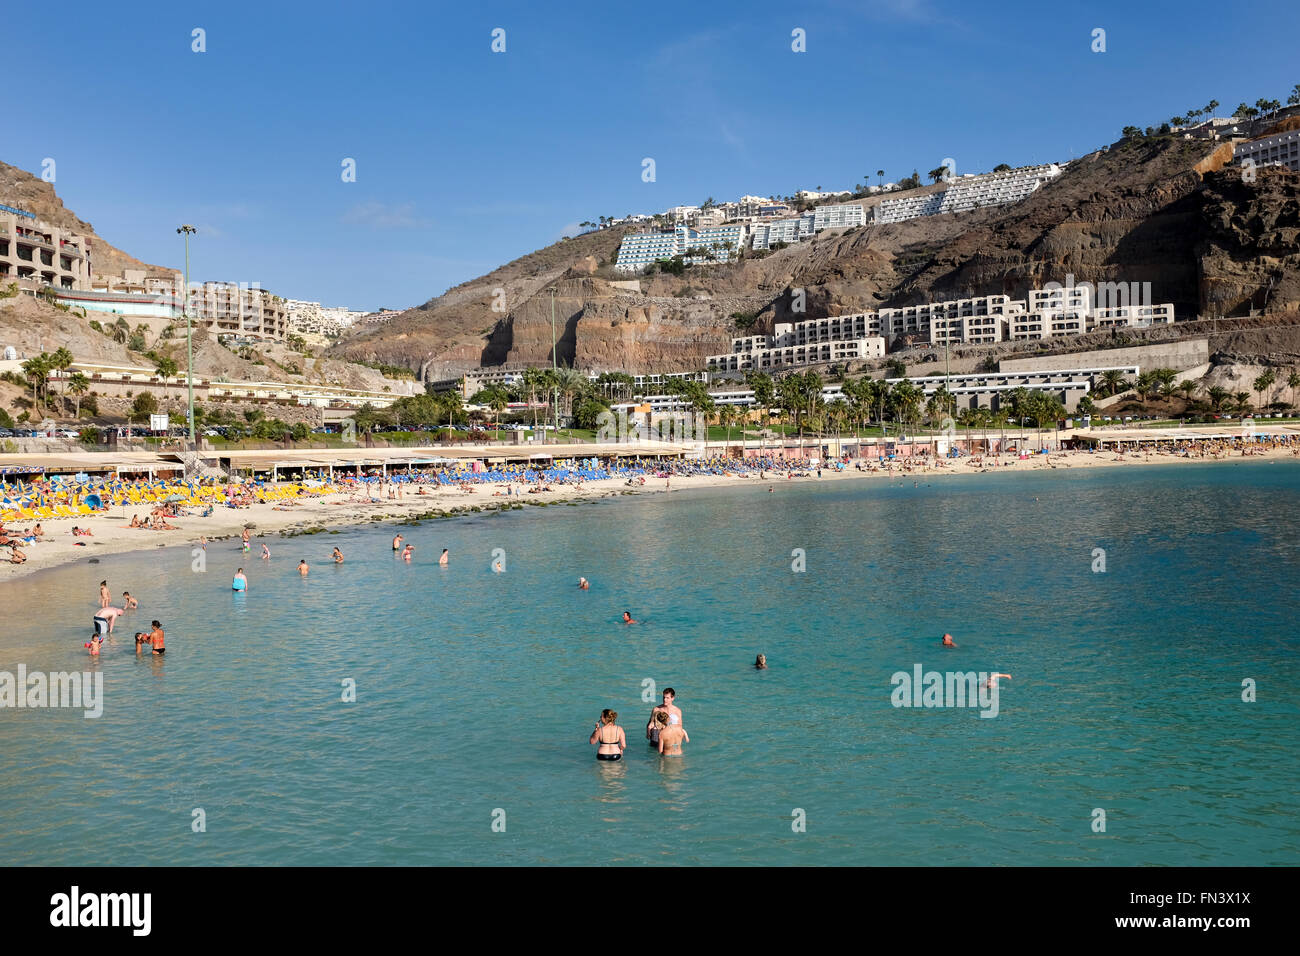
[[610, 737]]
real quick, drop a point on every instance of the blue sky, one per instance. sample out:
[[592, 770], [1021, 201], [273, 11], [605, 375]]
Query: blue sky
[[467, 158]]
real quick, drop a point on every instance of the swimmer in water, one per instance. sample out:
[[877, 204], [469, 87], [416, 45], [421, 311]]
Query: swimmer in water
[[993, 680], [303, 567], [583, 584], [406, 555], [397, 543], [266, 553], [239, 582], [627, 618], [609, 737], [442, 559], [129, 603], [760, 662], [947, 641], [338, 556], [94, 645]]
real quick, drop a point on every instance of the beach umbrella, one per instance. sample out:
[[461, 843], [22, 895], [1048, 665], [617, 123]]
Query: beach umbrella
[[92, 501], [177, 498]]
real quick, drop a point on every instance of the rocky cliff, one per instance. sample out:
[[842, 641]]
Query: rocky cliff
[[1159, 210]]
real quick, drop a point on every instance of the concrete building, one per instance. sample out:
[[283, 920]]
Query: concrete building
[[1281, 149], [697, 246], [229, 308], [971, 191], [842, 216], [44, 255], [810, 196], [789, 231]]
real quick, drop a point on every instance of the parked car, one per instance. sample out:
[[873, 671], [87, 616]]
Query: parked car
[[6, 433]]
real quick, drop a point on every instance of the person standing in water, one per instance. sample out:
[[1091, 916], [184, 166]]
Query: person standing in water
[[104, 598], [266, 553], [397, 543], [338, 556], [442, 559], [672, 715], [303, 567], [239, 582], [760, 662], [244, 537], [609, 737], [671, 736]]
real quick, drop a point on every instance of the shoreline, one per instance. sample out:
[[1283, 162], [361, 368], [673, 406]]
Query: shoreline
[[113, 535]]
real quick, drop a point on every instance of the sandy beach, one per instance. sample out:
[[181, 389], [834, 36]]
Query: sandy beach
[[112, 533]]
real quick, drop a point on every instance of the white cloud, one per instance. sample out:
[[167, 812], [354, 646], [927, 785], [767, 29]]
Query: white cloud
[[379, 215]]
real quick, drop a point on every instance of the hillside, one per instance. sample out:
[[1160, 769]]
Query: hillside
[[22, 190], [1149, 210]]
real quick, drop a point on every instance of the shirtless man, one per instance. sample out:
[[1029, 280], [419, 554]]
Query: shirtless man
[[303, 567], [244, 537], [583, 584], [397, 543], [947, 641], [992, 682], [105, 618], [671, 711]]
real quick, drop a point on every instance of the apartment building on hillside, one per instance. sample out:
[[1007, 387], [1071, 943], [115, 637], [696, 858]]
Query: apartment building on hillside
[[40, 253]]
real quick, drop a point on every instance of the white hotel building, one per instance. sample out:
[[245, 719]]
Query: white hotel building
[[796, 229], [722, 243], [970, 191], [1281, 149], [983, 320]]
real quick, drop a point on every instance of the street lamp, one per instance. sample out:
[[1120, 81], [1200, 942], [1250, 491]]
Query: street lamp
[[187, 231]]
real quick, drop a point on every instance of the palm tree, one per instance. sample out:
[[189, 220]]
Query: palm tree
[[497, 400], [37, 370], [1263, 383], [61, 359], [78, 385], [1293, 382], [451, 402], [1243, 401], [1187, 387], [727, 418], [1217, 396], [1211, 107], [533, 383], [881, 174]]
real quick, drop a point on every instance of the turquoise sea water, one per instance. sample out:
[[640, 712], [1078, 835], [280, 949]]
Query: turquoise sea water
[[476, 691]]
